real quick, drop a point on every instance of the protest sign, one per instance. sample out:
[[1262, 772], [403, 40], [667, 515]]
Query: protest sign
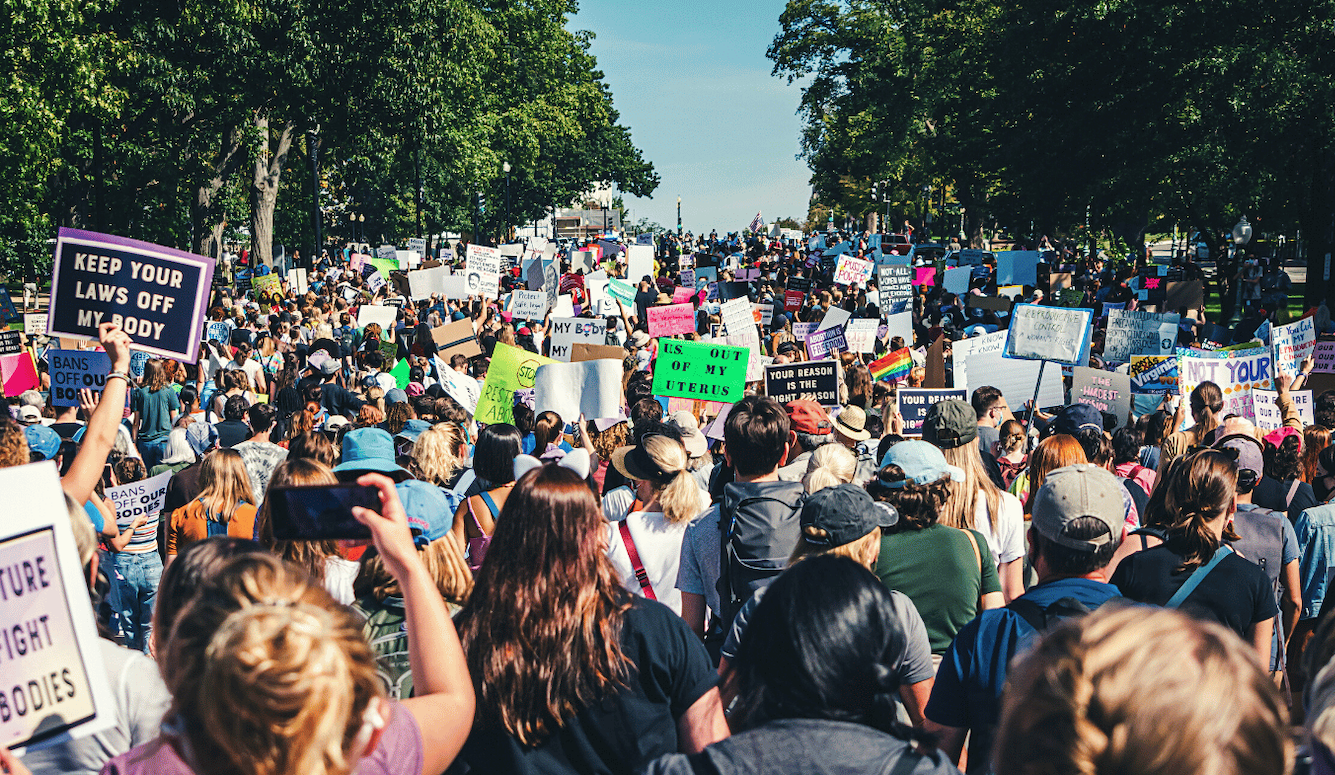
[[7, 310], [901, 325], [737, 317], [639, 262], [1236, 372], [455, 338], [568, 330], [834, 318], [802, 284], [387, 253], [622, 291], [142, 498], [482, 272], [157, 295], [1107, 391], [936, 365], [896, 286], [34, 323], [957, 279], [424, 282], [375, 313], [792, 300], [299, 279], [1266, 411], [511, 369], [697, 370], [565, 307], [686, 278], [814, 380], [1069, 297], [270, 287], [1134, 332], [680, 295], [765, 311], [138, 359], [56, 686], [529, 305], [861, 335], [852, 271], [971, 257], [822, 343], [644, 239], [1153, 374], [382, 265], [671, 319], [979, 361], [389, 351], [375, 281], [1184, 293], [994, 303], [1049, 334], [218, 331], [454, 286], [1292, 344], [19, 373], [802, 330], [1323, 355], [706, 273], [75, 370], [1017, 267], [591, 388], [583, 351], [914, 403]]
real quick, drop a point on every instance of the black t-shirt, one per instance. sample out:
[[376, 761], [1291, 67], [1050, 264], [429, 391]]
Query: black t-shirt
[[338, 400], [625, 731], [66, 430], [231, 433], [1236, 594], [1274, 495]]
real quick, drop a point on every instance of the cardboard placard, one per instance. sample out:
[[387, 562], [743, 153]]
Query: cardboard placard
[[822, 343], [75, 370], [896, 286], [34, 323], [1184, 293], [564, 332], [511, 369], [852, 271], [671, 319], [456, 338], [583, 351], [814, 380], [1292, 344], [157, 295], [1107, 391], [57, 677], [710, 372], [385, 315], [1266, 410], [914, 403], [1049, 334], [936, 365], [1153, 374], [1236, 372], [591, 388]]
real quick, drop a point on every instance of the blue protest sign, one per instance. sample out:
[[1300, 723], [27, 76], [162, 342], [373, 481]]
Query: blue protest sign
[[74, 370]]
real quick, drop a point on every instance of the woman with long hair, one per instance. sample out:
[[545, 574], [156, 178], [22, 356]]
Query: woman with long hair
[[574, 674], [318, 558], [1009, 450], [648, 524], [859, 383], [817, 671], [155, 406], [1198, 502], [1130, 689], [269, 675], [1056, 451], [1283, 464], [225, 506], [829, 465], [494, 465], [1315, 439], [547, 428], [234, 383], [978, 504], [312, 446], [440, 455], [945, 571], [1153, 429]]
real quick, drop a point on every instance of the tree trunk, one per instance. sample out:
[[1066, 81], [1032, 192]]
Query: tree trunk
[[269, 160], [207, 237]]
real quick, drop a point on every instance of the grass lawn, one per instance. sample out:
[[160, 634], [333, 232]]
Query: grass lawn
[[1295, 311]]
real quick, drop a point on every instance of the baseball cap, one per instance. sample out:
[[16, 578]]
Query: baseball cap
[[412, 429], [949, 424], [1077, 417], [29, 415], [430, 513], [335, 422], [396, 396], [1248, 451], [842, 514], [921, 462], [809, 417], [1074, 492], [42, 440], [330, 367]]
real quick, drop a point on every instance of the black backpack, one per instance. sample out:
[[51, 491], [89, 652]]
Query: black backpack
[[759, 524], [1043, 618]]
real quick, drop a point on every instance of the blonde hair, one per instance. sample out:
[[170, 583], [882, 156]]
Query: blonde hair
[[224, 484], [679, 498], [269, 674], [864, 551], [444, 561], [829, 465], [962, 505], [1143, 690], [436, 452]]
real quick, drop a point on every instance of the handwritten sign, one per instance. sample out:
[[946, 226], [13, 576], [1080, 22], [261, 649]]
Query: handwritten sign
[[157, 295], [1106, 391], [671, 319], [1266, 411], [529, 305], [34, 323], [896, 286], [1324, 358], [565, 332], [1236, 372], [1292, 344], [852, 271], [814, 380], [914, 403], [711, 372], [482, 271], [1134, 332], [1049, 334], [511, 369]]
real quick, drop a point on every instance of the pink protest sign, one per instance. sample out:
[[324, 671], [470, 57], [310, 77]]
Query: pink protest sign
[[682, 294], [924, 275], [19, 373], [671, 319]]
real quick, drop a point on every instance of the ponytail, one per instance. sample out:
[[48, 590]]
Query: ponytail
[[1198, 492]]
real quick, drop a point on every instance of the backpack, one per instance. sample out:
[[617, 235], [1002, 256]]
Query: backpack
[[759, 527], [1261, 534], [1043, 618]]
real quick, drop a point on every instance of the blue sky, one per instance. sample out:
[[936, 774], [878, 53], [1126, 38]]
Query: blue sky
[[692, 83]]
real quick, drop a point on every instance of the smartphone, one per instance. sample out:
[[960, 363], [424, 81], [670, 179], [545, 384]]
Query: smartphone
[[320, 512]]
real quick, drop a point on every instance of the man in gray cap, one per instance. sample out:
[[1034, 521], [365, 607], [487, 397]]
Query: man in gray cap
[[1077, 527]]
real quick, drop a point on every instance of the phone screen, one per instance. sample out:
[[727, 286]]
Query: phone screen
[[320, 512]]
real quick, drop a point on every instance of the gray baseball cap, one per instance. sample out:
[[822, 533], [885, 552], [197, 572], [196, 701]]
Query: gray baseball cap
[[1072, 492]]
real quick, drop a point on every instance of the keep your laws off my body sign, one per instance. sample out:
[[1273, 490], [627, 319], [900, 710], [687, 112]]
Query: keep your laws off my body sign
[[156, 295]]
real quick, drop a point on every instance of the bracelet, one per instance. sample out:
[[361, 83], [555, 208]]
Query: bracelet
[[120, 374]]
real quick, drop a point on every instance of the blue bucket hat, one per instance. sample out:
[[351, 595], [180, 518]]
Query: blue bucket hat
[[370, 449], [921, 461], [412, 429], [430, 511], [42, 440]]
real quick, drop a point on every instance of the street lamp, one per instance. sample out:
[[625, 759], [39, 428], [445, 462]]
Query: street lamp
[[678, 217], [926, 193], [1242, 233], [505, 167]]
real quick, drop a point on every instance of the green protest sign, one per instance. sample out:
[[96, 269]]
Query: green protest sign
[[712, 372], [385, 266], [621, 290]]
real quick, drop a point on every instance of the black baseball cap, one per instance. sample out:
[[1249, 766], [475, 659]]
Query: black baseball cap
[[842, 514]]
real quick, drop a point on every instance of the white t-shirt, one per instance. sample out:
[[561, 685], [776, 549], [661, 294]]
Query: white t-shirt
[[657, 541], [1005, 536]]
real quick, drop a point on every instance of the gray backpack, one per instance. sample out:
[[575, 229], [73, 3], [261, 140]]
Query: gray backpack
[[759, 524]]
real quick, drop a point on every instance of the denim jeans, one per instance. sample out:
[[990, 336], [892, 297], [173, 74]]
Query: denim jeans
[[152, 452], [141, 572]]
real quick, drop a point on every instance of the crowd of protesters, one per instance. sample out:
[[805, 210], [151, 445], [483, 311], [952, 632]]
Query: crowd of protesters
[[807, 588]]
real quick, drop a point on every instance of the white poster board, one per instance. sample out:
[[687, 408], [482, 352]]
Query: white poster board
[[1136, 332], [483, 272], [639, 262], [1056, 334], [591, 388], [566, 331], [979, 361], [376, 313]]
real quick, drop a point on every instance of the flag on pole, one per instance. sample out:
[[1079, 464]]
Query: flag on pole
[[757, 223]]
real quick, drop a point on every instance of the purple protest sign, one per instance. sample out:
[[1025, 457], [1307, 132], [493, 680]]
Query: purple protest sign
[[821, 343], [157, 295]]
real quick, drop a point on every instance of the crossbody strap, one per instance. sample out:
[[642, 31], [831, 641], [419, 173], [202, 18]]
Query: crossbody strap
[[641, 575], [1293, 490], [1197, 577]]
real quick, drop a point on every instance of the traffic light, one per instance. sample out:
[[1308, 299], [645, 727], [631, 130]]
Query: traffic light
[[481, 203], [875, 191]]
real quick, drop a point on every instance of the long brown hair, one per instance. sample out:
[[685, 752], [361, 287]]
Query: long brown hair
[[155, 375], [542, 630], [1315, 439], [308, 555], [1056, 451], [1197, 490]]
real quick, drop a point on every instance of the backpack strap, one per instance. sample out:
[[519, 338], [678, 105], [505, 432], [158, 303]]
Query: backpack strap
[[1197, 577], [1293, 490], [977, 556], [491, 504], [1033, 613], [641, 575]]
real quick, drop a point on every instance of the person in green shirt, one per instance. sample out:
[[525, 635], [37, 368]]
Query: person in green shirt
[[155, 406], [945, 571]]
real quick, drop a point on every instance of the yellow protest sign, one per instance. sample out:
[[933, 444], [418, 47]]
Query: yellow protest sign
[[511, 369]]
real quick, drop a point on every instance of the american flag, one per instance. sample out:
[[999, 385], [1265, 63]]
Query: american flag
[[757, 223]]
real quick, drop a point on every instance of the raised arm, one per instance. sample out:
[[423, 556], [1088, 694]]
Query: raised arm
[[100, 435]]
